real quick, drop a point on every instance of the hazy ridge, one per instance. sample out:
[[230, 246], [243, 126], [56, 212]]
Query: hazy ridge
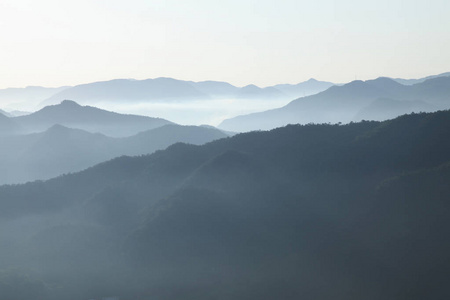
[[354, 101]]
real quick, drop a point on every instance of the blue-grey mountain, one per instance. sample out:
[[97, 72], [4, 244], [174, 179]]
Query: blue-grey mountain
[[302, 89], [419, 80], [351, 102], [8, 126], [61, 150], [71, 114], [28, 97], [169, 90]]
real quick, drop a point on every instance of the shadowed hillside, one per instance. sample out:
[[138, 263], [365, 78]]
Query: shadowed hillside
[[354, 211], [61, 150]]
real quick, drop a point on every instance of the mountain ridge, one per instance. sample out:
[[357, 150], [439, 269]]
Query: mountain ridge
[[159, 89], [60, 150], [71, 114], [343, 103]]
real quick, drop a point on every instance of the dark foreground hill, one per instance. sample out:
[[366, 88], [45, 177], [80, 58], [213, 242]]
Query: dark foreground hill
[[356, 211]]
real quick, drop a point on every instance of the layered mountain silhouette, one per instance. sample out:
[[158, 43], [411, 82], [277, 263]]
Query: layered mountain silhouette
[[18, 113], [70, 114], [158, 89], [355, 211], [309, 87], [161, 90], [169, 89], [216, 89], [2, 112], [351, 102], [61, 150], [252, 91], [8, 126], [419, 80], [386, 108], [28, 97]]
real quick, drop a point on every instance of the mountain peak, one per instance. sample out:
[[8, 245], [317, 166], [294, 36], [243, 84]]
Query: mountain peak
[[251, 87], [58, 127], [355, 83], [383, 80], [69, 103]]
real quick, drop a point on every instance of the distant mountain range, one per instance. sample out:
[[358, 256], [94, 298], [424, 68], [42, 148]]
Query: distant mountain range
[[303, 89], [159, 89], [185, 102], [153, 90], [169, 89], [70, 114], [61, 150], [29, 97], [2, 112], [420, 80], [14, 113], [377, 99], [354, 211]]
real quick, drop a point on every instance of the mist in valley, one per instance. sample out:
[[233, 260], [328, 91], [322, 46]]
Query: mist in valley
[[95, 203], [201, 112], [244, 150]]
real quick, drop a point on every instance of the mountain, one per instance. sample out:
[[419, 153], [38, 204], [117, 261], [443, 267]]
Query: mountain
[[345, 103], [2, 112], [332, 105], [8, 125], [18, 113], [119, 90], [252, 91], [386, 108], [307, 88], [420, 80], [61, 150], [216, 89], [164, 136], [169, 89], [70, 114], [185, 102], [355, 211], [389, 87], [25, 98], [56, 151], [435, 91]]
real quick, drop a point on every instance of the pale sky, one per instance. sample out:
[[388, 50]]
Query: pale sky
[[265, 42]]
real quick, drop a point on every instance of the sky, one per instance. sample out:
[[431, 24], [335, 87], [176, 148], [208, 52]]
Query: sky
[[63, 42]]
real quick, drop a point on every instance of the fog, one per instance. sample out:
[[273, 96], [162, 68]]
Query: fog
[[192, 112]]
